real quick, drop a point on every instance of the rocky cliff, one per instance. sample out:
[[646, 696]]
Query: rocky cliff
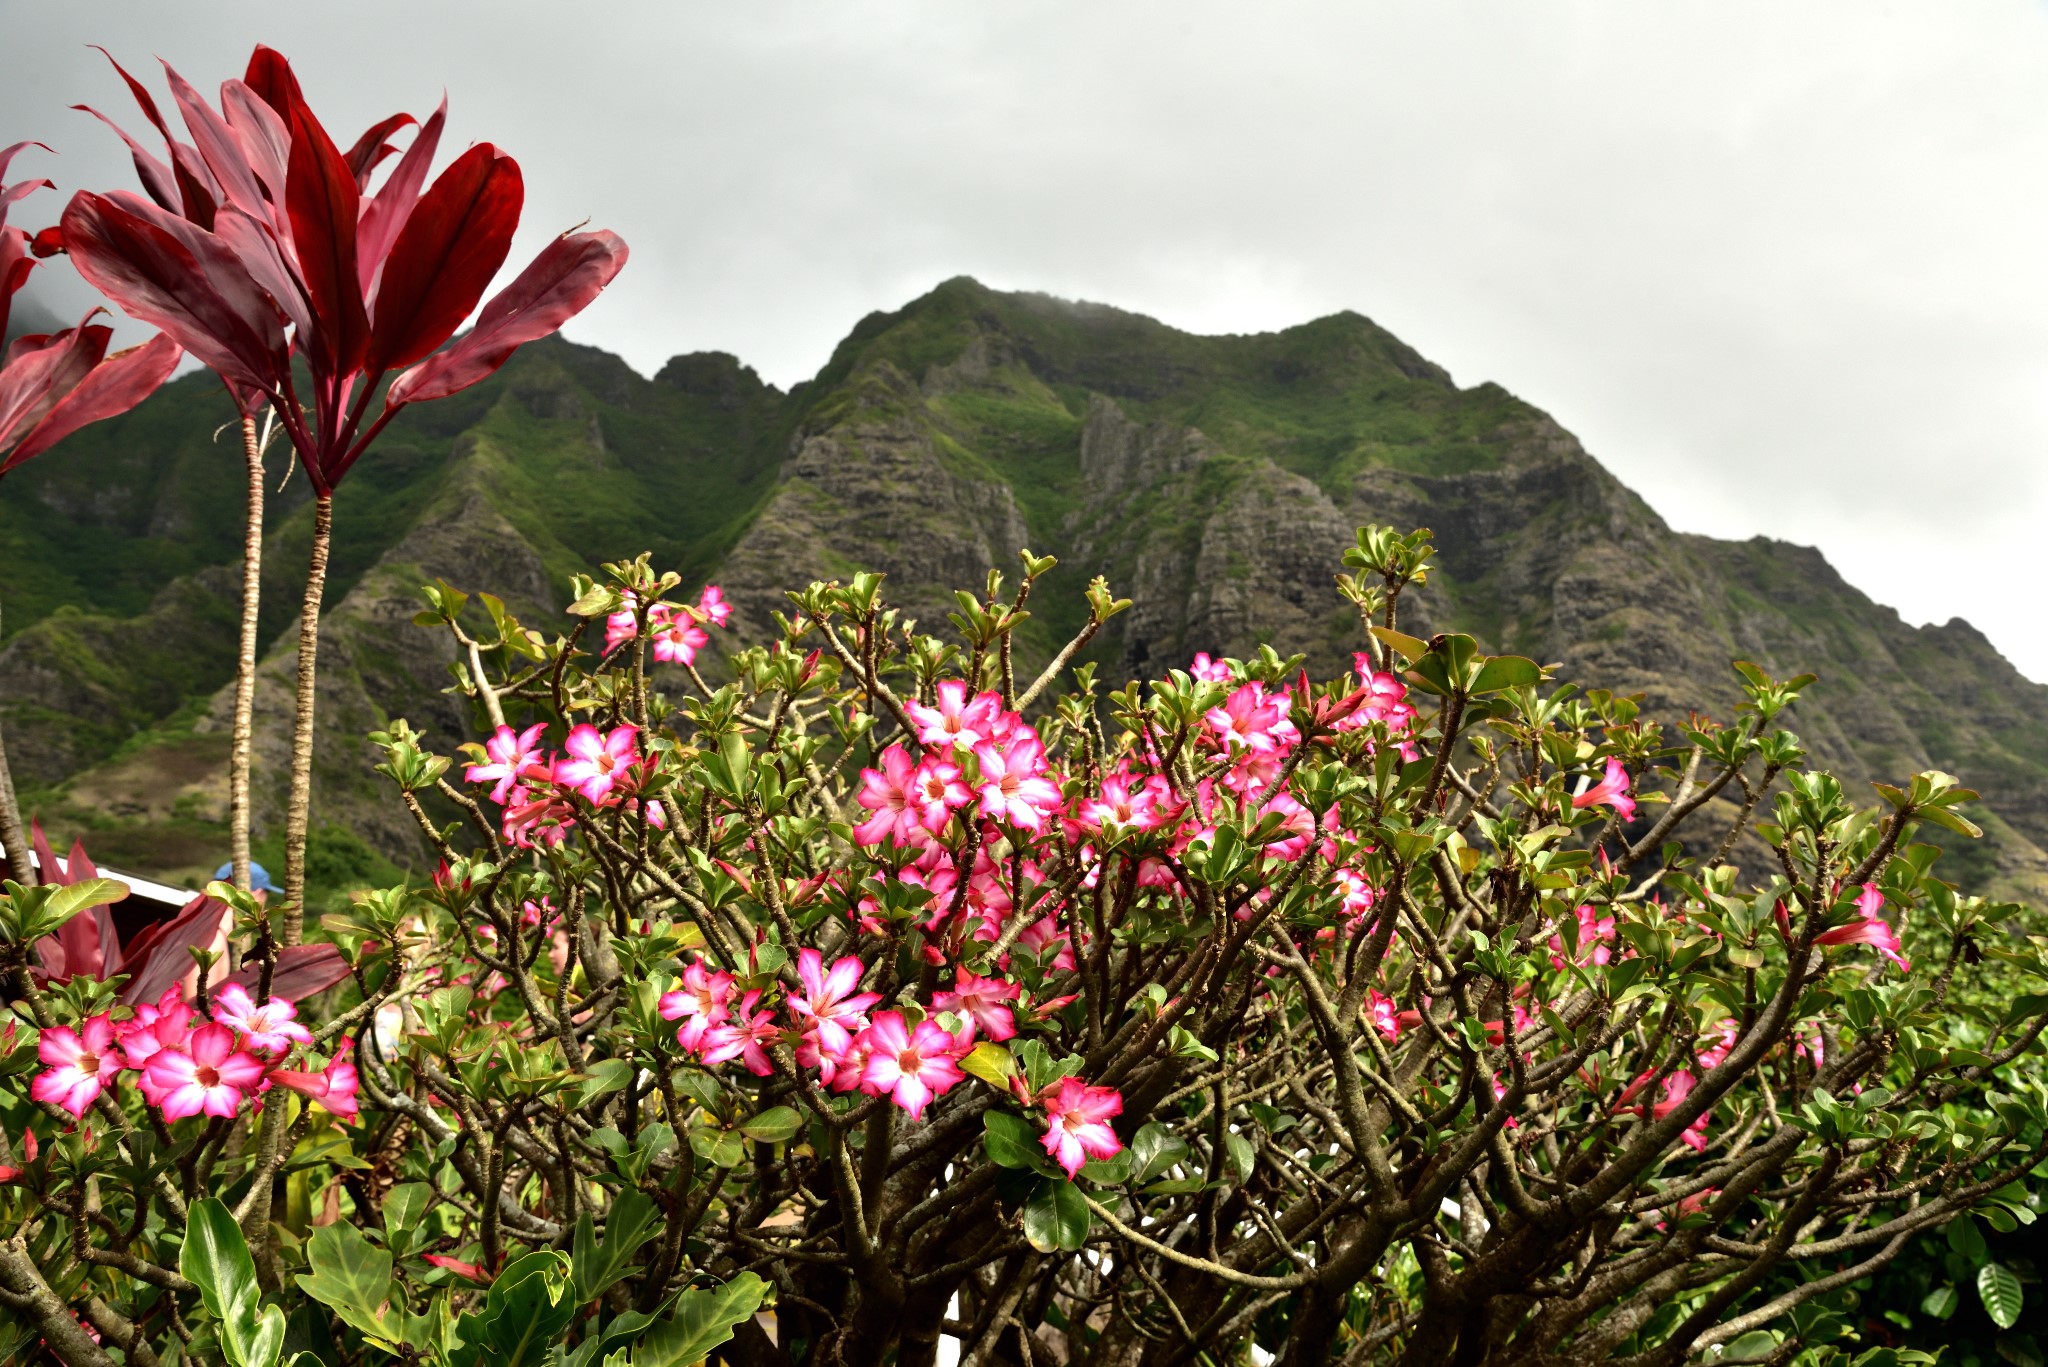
[[1214, 480]]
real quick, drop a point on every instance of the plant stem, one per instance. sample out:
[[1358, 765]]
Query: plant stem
[[299, 813], [11, 834], [245, 665]]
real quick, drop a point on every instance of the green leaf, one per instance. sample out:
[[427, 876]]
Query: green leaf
[[67, 902], [777, 1125], [215, 1258], [1242, 1158], [1056, 1217], [1410, 647], [605, 1076], [704, 1318], [524, 1312], [1755, 1346], [1011, 1143], [1506, 671], [1965, 1238], [1109, 1172], [2001, 1293], [404, 1205], [352, 1277], [596, 1266], [1941, 1302], [1942, 816], [990, 1062], [1155, 1149]]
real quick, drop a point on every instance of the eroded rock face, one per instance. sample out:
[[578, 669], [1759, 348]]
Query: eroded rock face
[[1215, 481]]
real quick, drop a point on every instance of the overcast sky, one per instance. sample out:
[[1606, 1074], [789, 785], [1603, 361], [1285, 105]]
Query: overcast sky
[[1784, 269]]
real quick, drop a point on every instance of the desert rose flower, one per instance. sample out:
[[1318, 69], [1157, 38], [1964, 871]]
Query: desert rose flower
[[509, 752], [745, 1037], [910, 1066], [700, 1003], [1013, 786], [596, 762], [891, 794], [829, 1006], [82, 1064], [956, 721], [1077, 1124], [209, 1075], [1610, 791], [271, 1028], [677, 637], [333, 1088], [983, 1002]]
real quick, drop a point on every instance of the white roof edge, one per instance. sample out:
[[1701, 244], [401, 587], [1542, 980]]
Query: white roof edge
[[139, 887]]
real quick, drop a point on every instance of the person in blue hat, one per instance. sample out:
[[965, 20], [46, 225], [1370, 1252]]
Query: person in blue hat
[[259, 879]]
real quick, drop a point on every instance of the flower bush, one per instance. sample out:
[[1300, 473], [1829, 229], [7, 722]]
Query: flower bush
[[877, 996]]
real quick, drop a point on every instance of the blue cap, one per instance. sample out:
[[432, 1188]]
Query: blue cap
[[259, 880]]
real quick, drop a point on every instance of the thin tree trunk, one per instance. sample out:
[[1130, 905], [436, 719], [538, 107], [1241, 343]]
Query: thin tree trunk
[[298, 815], [12, 836], [11, 833], [245, 666]]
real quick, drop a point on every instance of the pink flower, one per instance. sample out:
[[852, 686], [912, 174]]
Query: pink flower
[[271, 1028], [704, 1000], [830, 1008], [1077, 1124], [81, 1065], [164, 1024], [1722, 1039], [1040, 936], [208, 1075], [712, 607], [623, 625], [677, 637], [981, 1000], [455, 1265], [509, 752], [1610, 791], [1206, 670], [1012, 786], [596, 762], [746, 1037], [333, 1088], [1596, 933], [938, 792], [955, 722], [1250, 720], [28, 1155], [913, 1067], [1123, 806], [890, 793], [1870, 929], [1380, 1011]]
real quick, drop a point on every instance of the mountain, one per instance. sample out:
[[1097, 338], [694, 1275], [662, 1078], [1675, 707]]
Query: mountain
[[1214, 480]]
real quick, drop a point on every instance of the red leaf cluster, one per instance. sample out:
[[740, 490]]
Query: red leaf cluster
[[52, 384], [260, 243]]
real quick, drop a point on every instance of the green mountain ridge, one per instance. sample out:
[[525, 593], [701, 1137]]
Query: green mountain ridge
[[1214, 480]]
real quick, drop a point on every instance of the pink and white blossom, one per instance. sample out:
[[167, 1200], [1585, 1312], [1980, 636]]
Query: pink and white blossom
[[271, 1028], [82, 1064], [1077, 1124], [909, 1066], [210, 1075]]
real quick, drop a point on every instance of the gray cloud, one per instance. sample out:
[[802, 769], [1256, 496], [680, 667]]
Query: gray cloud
[[1780, 267]]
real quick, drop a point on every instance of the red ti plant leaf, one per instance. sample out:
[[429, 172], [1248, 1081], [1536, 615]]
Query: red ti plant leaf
[[321, 198], [302, 971], [270, 76], [187, 282], [109, 389], [84, 944], [158, 957], [387, 210], [197, 194], [452, 244], [569, 273], [373, 146]]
